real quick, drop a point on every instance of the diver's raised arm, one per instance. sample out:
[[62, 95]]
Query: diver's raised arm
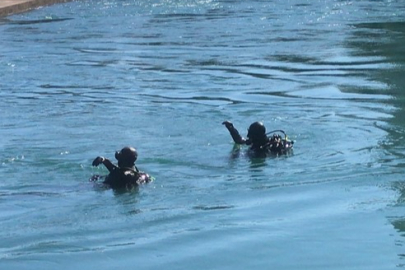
[[237, 138], [102, 160]]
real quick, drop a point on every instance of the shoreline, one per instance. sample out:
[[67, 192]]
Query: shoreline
[[10, 7]]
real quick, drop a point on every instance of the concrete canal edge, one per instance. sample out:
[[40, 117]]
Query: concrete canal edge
[[9, 7]]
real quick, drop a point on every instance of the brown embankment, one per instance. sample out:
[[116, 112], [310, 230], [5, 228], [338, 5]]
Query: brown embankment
[[9, 7]]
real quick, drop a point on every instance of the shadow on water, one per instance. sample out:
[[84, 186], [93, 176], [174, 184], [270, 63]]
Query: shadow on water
[[256, 159], [29, 22], [128, 198], [398, 220], [387, 40]]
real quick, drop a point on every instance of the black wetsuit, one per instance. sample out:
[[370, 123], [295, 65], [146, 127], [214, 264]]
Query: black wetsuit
[[125, 175], [263, 144], [126, 178]]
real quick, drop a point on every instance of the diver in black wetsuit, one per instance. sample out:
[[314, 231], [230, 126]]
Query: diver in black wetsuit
[[126, 174], [259, 141]]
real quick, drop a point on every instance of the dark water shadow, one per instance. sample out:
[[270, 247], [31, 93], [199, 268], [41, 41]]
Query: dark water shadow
[[125, 197], [257, 161], [99, 186], [386, 40], [29, 22]]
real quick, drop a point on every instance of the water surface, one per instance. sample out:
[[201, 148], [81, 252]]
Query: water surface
[[86, 78]]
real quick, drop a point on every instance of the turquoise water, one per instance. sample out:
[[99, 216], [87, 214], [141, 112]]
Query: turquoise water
[[86, 78]]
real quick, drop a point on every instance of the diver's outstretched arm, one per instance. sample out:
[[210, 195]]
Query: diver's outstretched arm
[[237, 138], [107, 163]]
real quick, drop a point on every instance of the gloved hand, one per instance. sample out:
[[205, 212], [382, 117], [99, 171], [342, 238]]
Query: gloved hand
[[98, 160], [228, 124]]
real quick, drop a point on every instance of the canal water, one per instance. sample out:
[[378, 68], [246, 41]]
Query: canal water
[[86, 78]]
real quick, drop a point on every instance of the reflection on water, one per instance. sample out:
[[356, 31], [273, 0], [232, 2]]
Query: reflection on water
[[387, 42]]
